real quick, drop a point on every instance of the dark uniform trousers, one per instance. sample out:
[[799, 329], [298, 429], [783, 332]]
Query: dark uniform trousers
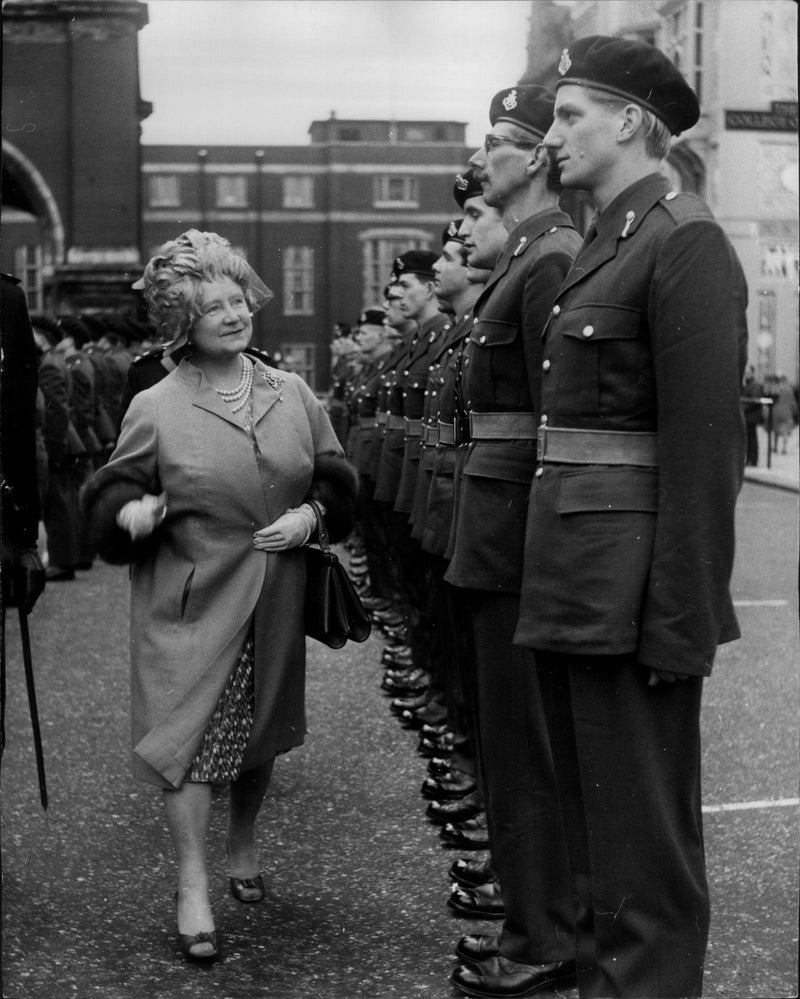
[[60, 503], [628, 556], [502, 375], [635, 844]]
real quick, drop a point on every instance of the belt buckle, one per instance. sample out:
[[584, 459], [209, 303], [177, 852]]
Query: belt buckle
[[541, 443]]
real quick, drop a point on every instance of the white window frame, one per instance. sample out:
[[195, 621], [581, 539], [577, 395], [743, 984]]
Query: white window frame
[[28, 267], [230, 190], [380, 247], [298, 191], [298, 281], [385, 193], [164, 190]]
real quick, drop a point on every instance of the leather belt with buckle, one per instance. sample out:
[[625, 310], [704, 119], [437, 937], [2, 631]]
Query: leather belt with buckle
[[413, 427], [503, 426], [597, 447]]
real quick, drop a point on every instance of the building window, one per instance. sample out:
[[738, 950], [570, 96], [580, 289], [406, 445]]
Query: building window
[[298, 192], [298, 281], [684, 42], [28, 268], [379, 255], [396, 192], [164, 190], [300, 358], [767, 329], [231, 191]]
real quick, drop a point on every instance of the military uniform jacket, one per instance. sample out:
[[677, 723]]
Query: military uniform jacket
[[647, 333], [412, 382], [503, 375], [446, 346], [389, 463]]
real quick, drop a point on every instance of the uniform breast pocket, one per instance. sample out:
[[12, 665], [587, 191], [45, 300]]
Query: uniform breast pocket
[[493, 374], [606, 367]]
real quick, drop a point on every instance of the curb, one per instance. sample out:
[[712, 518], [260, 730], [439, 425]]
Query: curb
[[766, 477]]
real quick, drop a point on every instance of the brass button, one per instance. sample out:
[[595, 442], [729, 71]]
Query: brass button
[[543, 420], [539, 471], [482, 340], [545, 365], [556, 310], [588, 331]]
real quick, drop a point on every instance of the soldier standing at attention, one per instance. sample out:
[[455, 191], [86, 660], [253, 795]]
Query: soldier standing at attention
[[502, 387], [630, 536]]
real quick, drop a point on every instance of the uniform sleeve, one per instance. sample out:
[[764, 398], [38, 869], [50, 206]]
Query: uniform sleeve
[[55, 388], [335, 481], [539, 293], [131, 472], [698, 328]]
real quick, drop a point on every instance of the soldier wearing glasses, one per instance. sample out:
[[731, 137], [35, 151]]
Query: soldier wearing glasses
[[502, 386]]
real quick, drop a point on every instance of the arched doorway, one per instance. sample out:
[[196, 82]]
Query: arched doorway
[[33, 231]]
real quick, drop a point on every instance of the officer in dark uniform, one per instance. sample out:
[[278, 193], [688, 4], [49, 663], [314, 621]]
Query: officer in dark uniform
[[22, 574], [630, 537], [155, 364], [502, 385], [64, 450]]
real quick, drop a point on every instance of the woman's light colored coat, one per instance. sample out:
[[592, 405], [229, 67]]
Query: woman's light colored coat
[[198, 581]]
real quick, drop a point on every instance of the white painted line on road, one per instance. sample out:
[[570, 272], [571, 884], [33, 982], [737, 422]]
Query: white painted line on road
[[760, 603], [741, 806]]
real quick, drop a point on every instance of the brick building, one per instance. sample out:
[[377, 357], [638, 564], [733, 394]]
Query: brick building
[[320, 223], [70, 150]]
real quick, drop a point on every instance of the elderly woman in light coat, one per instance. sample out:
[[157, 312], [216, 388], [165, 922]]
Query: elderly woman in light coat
[[205, 496]]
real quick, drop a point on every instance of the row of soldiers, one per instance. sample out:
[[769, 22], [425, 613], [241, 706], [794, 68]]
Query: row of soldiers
[[83, 383], [549, 440]]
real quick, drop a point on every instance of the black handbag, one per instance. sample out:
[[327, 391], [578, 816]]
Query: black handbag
[[333, 609]]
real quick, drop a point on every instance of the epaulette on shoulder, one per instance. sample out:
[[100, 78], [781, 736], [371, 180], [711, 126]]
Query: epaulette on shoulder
[[683, 207], [154, 354], [261, 355], [9, 277]]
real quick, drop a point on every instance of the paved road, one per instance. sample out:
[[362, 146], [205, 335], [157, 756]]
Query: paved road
[[356, 880]]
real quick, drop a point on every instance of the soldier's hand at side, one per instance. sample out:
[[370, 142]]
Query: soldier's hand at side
[[664, 676]]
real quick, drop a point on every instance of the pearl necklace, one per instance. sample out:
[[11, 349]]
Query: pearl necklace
[[237, 398]]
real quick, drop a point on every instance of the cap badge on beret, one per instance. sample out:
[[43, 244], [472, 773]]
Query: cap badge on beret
[[462, 182], [399, 264], [510, 101], [564, 62], [452, 229]]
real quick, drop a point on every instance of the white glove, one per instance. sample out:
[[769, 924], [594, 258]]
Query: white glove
[[141, 517], [291, 530]]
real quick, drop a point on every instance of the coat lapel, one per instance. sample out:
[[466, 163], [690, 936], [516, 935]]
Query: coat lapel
[[267, 384]]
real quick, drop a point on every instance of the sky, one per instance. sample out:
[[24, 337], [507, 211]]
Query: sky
[[260, 71]]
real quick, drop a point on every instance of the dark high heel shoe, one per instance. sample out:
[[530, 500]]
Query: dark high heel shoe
[[247, 889], [188, 943]]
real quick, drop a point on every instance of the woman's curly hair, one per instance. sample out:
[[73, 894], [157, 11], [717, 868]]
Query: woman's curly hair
[[172, 279]]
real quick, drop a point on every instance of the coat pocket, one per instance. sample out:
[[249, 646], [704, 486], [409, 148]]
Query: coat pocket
[[187, 589], [614, 489]]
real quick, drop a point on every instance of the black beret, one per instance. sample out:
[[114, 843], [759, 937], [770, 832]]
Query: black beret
[[374, 317], [634, 70], [419, 262], [466, 186], [527, 106], [450, 233]]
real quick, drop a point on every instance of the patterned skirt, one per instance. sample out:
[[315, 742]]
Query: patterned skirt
[[222, 750]]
